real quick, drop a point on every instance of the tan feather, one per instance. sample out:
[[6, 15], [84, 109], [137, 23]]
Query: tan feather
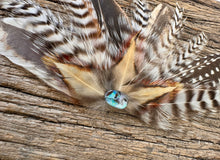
[[144, 95], [81, 80], [124, 71]]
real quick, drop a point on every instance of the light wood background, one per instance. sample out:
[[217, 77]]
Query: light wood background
[[38, 122]]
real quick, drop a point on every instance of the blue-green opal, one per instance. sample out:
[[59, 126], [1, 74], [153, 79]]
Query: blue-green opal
[[116, 99]]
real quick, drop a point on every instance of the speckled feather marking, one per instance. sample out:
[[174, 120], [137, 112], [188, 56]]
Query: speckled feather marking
[[138, 55]]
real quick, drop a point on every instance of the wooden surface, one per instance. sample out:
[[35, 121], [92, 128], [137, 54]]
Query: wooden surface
[[37, 122]]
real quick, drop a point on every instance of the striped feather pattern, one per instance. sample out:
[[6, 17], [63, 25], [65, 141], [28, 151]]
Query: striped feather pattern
[[185, 54], [158, 41], [141, 14], [188, 103]]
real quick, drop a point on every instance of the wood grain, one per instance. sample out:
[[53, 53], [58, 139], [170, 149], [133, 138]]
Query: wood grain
[[38, 122]]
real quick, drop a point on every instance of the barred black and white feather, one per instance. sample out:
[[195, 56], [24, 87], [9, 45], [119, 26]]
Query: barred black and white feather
[[104, 51]]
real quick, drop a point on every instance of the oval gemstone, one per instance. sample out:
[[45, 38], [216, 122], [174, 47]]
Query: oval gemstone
[[116, 99]]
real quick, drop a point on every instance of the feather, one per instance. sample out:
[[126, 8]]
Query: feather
[[12, 42], [144, 95], [124, 71], [141, 14], [81, 80]]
